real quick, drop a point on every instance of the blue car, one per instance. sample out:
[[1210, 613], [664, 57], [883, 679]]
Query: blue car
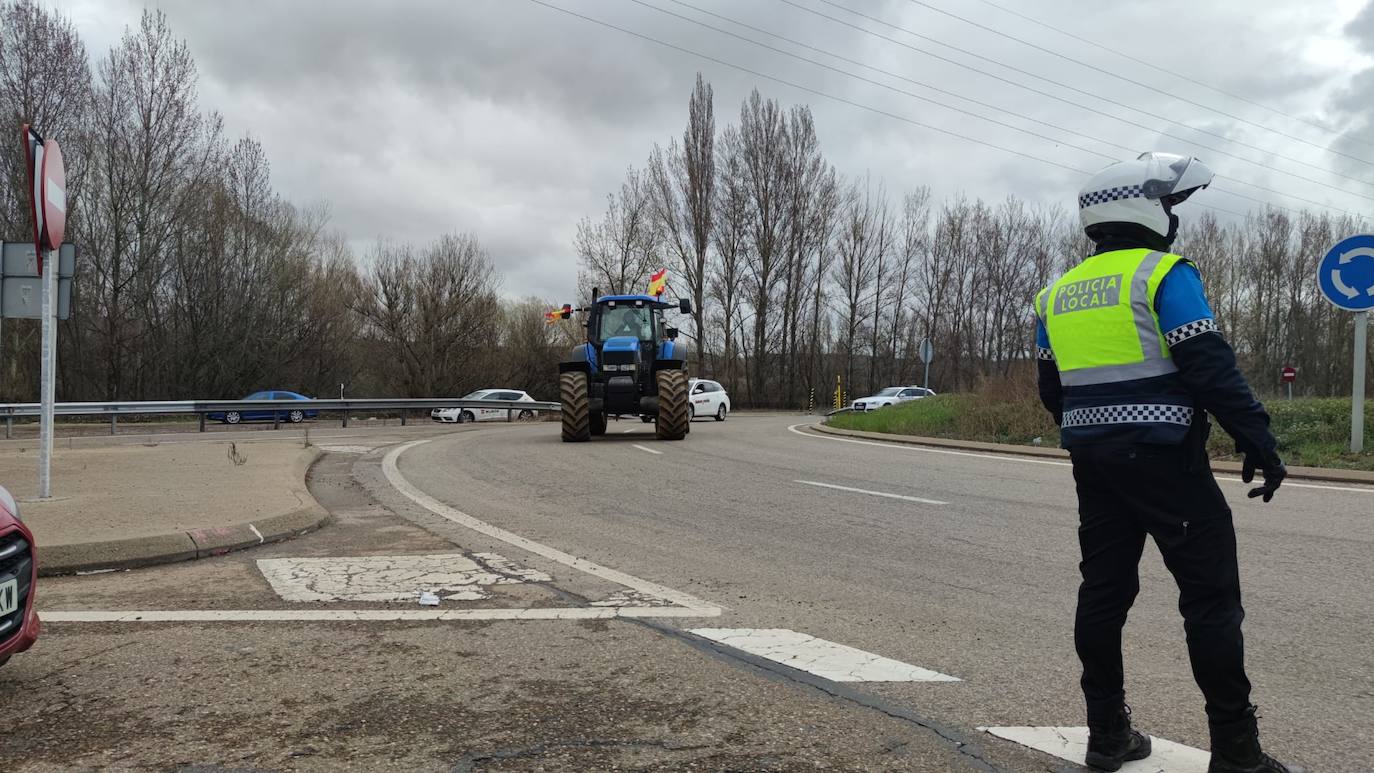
[[294, 415]]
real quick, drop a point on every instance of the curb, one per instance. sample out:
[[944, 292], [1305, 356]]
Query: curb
[[171, 547], [1323, 474]]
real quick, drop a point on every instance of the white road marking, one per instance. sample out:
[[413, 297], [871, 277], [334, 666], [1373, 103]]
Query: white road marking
[[650, 450], [1023, 460], [356, 615], [1071, 743], [872, 493], [825, 659], [256, 533], [347, 449], [693, 605], [453, 576], [627, 431]]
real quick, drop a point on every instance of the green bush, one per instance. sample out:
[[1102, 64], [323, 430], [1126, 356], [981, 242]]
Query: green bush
[[1313, 432]]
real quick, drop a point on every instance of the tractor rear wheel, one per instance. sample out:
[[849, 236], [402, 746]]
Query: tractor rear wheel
[[598, 423], [572, 393], [673, 405]]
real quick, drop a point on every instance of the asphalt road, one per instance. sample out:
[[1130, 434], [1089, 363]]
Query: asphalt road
[[961, 564]]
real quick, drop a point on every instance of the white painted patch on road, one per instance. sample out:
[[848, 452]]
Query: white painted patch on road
[[627, 431], [358, 615], [872, 493], [347, 449], [650, 450], [825, 659], [1071, 743], [256, 533], [453, 577], [694, 607]]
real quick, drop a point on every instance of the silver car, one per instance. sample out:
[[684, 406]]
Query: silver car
[[890, 396], [464, 415]]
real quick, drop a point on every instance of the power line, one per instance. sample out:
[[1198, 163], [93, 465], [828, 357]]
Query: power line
[[922, 84], [880, 84], [1179, 75], [1033, 90], [825, 95], [1134, 82]]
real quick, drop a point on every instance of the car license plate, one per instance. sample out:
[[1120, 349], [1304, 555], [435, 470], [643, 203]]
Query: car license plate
[[9, 597]]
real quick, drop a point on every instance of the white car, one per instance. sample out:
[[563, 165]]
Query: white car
[[464, 415], [708, 398], [890, 396]]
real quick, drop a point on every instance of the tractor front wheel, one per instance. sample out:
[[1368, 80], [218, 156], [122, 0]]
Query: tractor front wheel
[[673, 405], [572, 393]]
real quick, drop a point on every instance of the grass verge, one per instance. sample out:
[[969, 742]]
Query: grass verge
[[1312, 432]]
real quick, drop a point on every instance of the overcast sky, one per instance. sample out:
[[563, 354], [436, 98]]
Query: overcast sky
[[513, 121]]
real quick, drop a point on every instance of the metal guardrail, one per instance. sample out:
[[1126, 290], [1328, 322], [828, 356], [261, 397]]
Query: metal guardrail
[[280, 408]]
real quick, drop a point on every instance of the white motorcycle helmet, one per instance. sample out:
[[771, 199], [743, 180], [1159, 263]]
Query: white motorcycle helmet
[[1142, 191]]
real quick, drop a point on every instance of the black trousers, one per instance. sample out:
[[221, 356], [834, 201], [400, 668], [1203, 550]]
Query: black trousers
[[1125, 493]]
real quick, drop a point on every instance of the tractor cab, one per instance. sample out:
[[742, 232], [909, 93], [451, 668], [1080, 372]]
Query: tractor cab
[[630, 366]]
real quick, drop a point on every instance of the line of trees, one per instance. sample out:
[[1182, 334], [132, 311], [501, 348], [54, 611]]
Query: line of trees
[[196, 279], [802, 275]]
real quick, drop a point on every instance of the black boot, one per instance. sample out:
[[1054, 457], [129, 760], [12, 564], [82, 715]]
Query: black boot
[[1236, 749], [1111, 741]]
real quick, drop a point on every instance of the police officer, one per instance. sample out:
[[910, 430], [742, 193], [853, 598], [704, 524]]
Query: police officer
[[1131, 364]]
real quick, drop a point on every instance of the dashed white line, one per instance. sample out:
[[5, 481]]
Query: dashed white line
[[1023, 460], [646, 448], [393, 474], [825, 659], [872, 493], [627, 431], [1071, 743]]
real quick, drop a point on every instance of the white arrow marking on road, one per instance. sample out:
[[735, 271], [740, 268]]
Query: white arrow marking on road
[[1071, 743], [650, 450], [1358, 252], [872, 493], [1344, 288], [825, 659]]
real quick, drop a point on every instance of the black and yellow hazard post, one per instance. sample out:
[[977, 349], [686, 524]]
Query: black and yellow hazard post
[[839, 394], [811, 401]]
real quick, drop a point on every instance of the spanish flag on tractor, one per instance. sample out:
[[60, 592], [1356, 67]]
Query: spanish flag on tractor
[[658, 282]]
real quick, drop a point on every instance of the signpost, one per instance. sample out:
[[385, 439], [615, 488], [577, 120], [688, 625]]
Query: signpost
[[48, 179], [1288, 375], [927, 352], [1346, 278]]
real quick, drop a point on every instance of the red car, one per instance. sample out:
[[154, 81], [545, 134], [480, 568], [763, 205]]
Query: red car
[[18, 574]]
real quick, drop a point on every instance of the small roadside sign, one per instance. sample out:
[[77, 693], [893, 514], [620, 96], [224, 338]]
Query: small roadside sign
[[1289, 375]]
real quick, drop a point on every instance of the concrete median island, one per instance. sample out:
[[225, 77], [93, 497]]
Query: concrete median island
[[136, 505]]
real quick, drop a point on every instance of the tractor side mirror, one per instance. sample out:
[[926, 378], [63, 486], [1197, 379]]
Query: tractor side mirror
[[671, 333], [684, 306]]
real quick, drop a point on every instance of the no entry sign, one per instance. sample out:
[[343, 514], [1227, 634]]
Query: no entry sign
[[1289, 375], [48, 186], [52, 186]]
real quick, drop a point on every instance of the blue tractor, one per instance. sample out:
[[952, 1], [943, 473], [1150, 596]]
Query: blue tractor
[[631, 365]]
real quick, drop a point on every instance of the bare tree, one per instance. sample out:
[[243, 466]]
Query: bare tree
[[617, 254], [434, 310]]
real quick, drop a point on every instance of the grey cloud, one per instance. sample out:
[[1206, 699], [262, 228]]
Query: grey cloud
[[513, 121]]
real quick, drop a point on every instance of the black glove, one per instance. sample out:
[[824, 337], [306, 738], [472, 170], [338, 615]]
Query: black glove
[[1271, 466]]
